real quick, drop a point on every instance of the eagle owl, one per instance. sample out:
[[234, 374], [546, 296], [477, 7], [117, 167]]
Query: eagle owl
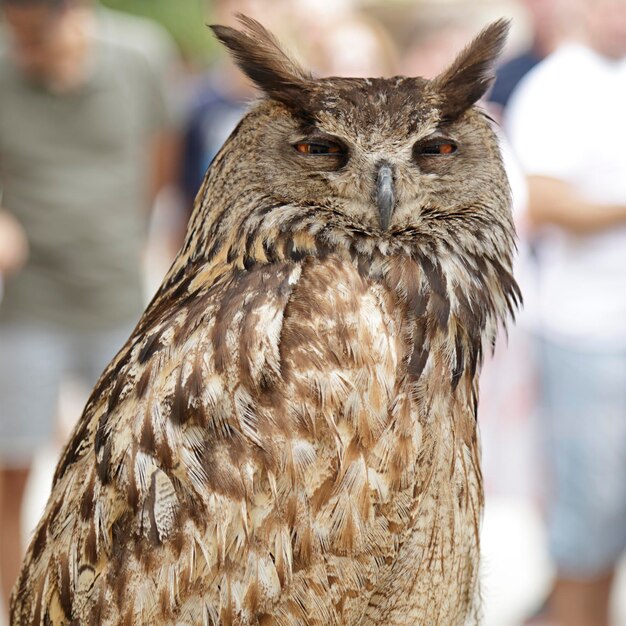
[[289, 435]]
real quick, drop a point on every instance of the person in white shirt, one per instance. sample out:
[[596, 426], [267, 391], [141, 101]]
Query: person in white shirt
[[567, 124]]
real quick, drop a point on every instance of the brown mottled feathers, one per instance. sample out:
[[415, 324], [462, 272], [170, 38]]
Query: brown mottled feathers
[[289, 435]]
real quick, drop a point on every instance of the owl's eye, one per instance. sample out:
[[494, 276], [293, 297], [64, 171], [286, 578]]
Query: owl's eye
[[313, 148], [437, 147]]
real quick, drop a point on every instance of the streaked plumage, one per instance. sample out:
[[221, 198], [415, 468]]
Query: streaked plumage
[[289, 436]]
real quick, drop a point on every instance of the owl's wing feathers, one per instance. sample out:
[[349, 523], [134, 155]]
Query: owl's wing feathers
[[248, 458]]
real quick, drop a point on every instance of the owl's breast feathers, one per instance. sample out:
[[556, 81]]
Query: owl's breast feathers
[[266, 448]]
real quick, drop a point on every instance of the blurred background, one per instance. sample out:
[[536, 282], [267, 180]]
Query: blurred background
[[109, 116]]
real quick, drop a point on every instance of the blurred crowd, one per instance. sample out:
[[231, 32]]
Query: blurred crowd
[[106, 135]]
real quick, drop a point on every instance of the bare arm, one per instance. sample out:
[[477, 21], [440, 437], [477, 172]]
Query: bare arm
[[552, 201], [13, 244], [165, 152], [171, 215]]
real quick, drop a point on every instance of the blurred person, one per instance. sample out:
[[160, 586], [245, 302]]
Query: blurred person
[[566, 122], [339, 39], [219, 102], [551, 21], [83, 129], [354, 45]]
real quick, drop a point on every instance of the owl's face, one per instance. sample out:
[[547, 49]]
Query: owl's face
[[386, 158], [379, 155]]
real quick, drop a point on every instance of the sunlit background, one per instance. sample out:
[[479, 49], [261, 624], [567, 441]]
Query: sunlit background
[[205, 97]]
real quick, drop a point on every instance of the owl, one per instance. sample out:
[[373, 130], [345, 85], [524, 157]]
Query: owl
[[289, 435]]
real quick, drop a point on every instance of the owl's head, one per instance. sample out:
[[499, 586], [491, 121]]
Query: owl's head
[[386, 159]]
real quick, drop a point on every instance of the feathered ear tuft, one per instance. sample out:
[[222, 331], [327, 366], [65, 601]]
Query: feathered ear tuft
[[471, 74], [259, 55]]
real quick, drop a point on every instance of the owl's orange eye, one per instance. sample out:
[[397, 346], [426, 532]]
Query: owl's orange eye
[[437, 148], [446, 148], [318, 148]]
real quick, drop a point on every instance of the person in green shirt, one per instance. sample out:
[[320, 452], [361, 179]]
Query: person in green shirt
[[83, 122]]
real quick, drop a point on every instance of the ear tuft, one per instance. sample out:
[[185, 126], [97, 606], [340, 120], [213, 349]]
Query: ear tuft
[[467, 80], [259, 55]]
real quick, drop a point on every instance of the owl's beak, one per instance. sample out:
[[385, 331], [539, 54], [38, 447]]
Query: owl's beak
[[385, 196]]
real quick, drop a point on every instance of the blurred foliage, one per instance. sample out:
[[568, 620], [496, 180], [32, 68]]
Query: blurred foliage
[[185, 19]]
